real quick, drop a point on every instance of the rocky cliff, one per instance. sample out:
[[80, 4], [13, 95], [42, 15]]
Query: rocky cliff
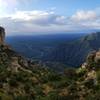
[[2, 35], [93, 60], [10, 57]]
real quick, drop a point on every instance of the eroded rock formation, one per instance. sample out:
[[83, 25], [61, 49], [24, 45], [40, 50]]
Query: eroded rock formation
[[91, 66], [2, 35]]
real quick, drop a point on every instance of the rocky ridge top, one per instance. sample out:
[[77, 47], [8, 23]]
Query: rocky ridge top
[[2, 35], [93, 60]]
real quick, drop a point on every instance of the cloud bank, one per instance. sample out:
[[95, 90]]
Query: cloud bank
[[37, 21]]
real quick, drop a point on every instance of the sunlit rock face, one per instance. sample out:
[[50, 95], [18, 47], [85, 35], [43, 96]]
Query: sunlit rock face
[[92, 61], [97, 58], [2, 35]]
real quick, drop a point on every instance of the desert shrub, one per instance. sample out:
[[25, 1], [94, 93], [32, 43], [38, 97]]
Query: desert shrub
[[81, 72], [53, 77], [38, 90], [98, 76], [70, 73], [13, 82], [22, 98], [89, 83]]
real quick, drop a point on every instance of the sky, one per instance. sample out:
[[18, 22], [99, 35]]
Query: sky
[[31, 17]]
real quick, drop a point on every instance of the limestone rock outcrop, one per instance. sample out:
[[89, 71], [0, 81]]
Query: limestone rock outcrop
[[97, 57], [91, 66], [92, 61], [2, 35]]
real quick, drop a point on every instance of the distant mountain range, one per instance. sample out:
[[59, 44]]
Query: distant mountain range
[[73, 53], [37, 46], [66, 49]]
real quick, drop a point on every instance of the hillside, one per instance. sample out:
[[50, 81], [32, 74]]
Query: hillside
[[35, 83], [70, 50], [39, 46], [22, 79], [74, 53]]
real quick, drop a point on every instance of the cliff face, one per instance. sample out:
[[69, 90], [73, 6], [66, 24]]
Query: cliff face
[[2, 35], [93, 60], [91, 68], [9, 57]]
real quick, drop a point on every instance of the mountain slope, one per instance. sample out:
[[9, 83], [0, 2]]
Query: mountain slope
[[18, 82], [74, 53], [57, 49], [21, 79], [38, 46]]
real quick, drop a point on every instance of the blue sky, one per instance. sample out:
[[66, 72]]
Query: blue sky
[[49, 16], [65, 7]]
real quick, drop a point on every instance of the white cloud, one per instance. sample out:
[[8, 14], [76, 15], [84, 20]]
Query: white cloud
[[48, 21], [7, 6], [33, 21], [89, 20], [38, 17], [6, 3], [84, 15]]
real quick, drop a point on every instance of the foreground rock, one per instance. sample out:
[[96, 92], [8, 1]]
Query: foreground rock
[[2, 35], [91, 67], [92, 61]]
